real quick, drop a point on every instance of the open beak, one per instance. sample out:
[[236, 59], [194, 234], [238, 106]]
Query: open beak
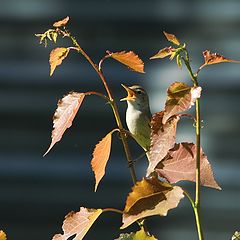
[[131, 94]]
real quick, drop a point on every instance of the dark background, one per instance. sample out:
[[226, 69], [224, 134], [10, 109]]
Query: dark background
[[35, 192]]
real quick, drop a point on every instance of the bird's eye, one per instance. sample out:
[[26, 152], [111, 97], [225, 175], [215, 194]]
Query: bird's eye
[[139, 92]]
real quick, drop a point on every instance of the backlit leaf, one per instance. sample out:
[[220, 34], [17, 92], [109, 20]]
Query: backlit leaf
[[171, 38], [129, 59], [62, 22], [3, 235], [139, 235], [167, 51], [180, 98], [64, 115], [236, 236], [101, 155], [163, 137], [57, 55], [150, 197], [215, 58], [78, 223], [180, 164]]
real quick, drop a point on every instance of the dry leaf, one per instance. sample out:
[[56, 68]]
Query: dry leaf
[[3, 235], [163, 137], [56, 57], [150, 197], [180, 164], [101, 155], [129, 59], [215, 58], [171, 38], [180, 98], [64, 115], [62, 22], [167, 51], [78, 223]]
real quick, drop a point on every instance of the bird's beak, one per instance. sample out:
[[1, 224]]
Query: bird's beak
[[131, 94]]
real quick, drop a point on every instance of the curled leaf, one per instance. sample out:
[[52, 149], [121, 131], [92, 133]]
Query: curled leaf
[[172, 38], [180, 97], [62, 22], [78, 223], [150, 197], [57, 55], [64, 115], [130, 59], [163, 137], [215, 58], [101, 155], [167, 51], [180, 164]]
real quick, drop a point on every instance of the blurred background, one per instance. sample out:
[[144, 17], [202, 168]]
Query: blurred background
[[35, 192]]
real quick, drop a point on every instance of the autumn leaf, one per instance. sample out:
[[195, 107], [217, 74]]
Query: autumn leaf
[[64, 115], [78, 223], [57, 55], [180, 164], [214, 58], [101, 155], [150, 197], [163, 137], [167, 51], [3, 235], [171, 38], [130, 59], [180, 98], [236, 236], [139, 235], [62, 22]]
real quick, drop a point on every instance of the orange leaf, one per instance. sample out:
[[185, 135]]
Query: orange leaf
[[129, 59], [150, 197], [180, 98], [171, 38], [215, 58], [78, 223], [180, 164], [3, 235], [56, 57], [62, 22], [101, 155], [163, 137], [64, 115], [167, 51]]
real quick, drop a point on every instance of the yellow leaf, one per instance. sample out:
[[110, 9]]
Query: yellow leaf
[[62, 22], [3, 235], [129, 59], [167, 51], [56, 57], [171, 38], [141, 235], [101, 155]]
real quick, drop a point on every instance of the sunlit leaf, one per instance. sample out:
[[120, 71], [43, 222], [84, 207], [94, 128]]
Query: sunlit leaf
[[101, 155], [57, 55], [3, 235], [150, 197], [167, 51], [180, 97], [64, 115], [129, 59], [77, 224], [139, 235], [236, 236], [215, 58], [180, 164], [62, 22], [163, 137], [172, 38]]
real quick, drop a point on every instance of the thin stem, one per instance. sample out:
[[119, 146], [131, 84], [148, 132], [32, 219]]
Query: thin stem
[[113, 210]]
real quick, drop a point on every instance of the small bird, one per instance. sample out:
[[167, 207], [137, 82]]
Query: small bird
[[138, 115]]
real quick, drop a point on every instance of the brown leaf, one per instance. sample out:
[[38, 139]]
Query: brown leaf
[[171, 38], [180, 164], [62, 22], [180, 98], [78, 223], [64, 115], [215, 58], [56, 57], [163, 137], [150, 197], [167, 51], [101, 155], [129, 59]]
